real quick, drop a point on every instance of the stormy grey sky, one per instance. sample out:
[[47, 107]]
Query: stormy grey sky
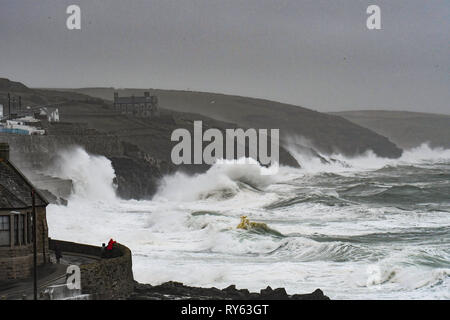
[[318, 54]]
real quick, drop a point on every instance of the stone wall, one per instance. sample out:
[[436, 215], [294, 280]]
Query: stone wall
[[105, 279], [16, 263], [73, 247], [39, 151]]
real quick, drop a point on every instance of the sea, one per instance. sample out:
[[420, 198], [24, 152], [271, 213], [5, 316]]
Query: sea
[[358, 228]]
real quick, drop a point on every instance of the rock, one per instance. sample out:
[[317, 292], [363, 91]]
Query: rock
[[280, 293], [230, 289], [316, 295], [277, 294], [245, 292], [176, 290], [266, 292]]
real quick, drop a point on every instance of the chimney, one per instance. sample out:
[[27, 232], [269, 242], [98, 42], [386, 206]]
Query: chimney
[[4, 151]]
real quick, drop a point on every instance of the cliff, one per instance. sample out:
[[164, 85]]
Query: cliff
[[327, 132], [406, 129], [140, 148]]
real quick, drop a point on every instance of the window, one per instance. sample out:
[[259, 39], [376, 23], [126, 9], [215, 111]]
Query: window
[[16, 230], [5, 236], [29, 227], [22, 229]]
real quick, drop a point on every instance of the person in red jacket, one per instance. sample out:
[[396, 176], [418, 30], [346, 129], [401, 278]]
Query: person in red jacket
[[110, 244], [109, 249]]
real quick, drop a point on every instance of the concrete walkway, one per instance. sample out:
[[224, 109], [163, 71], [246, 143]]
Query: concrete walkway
[[48, 275]]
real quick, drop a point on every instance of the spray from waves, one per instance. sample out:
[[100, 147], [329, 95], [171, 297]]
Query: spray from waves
[[212, 252], [424, 153], [223, 180], [312, 161], [92, 176]]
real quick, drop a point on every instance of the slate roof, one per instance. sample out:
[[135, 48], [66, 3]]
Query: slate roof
[[15, 189]]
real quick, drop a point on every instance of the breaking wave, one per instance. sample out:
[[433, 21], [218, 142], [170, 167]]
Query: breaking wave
[[223, 180], [92, 176], [312, 161]]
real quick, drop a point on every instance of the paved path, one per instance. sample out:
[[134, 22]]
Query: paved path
[[48, 275]]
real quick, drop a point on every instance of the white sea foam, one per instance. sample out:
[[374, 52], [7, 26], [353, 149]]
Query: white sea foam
[[367, 161], [92, 176], [188, 231], [221, 179]]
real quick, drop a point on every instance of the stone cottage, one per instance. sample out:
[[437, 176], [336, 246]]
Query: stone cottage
[[146, 106], [16, 240]]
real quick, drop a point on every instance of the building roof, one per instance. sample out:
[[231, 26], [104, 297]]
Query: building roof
[[15, 189]]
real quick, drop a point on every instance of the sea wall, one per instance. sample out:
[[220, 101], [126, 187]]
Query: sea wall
[[105, 279]]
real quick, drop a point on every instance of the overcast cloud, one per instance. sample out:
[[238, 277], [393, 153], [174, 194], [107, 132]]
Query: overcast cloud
[[318, 54]]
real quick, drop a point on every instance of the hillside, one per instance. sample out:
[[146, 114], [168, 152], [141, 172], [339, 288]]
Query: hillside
[[139, 148], [327, 133], [406, 129], [33, 97]]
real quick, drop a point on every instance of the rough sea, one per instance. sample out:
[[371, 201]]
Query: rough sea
[[357, 228]]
